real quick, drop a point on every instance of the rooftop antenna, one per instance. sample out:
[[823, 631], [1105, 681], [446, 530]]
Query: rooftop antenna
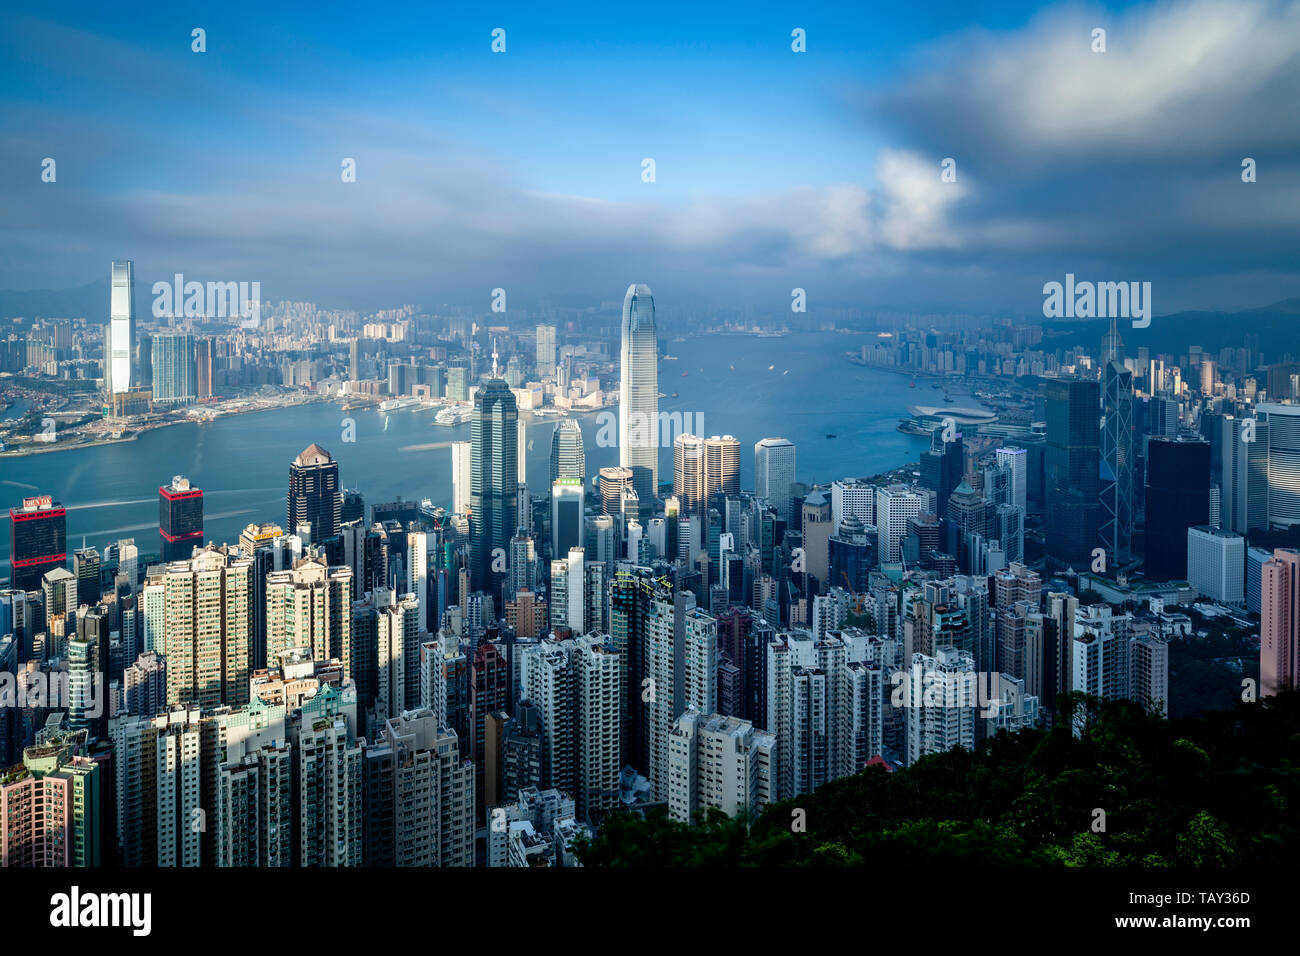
[[494, 358]]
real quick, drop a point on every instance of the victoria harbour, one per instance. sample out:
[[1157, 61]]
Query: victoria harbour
[[799, 386]]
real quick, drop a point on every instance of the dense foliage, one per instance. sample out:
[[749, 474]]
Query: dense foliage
[[1221, 789], [1206, 670]]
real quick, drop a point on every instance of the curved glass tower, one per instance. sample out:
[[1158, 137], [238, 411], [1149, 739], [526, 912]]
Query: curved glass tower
[[568, 457], [638, 404]]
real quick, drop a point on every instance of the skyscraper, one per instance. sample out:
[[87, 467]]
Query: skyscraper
[[940, 719], [546, 351], [1116, 480], [461, 458], [638, 405], [180, 519], [568, 458], [688, 473], [721, 466], [719, 762], [1016, 460], [315, 495], [207, 628], [310, 606], [37, 541], [896, 505], [494, 483], [612, 483], [419, 795], [774, 473], [120, 348], [1283, 463], [521, 455], [1216, 564], [1177, 498], [1072, 468], [175, 379], [567, 500], [1244, 474], [203, 368], [943, 466], [417, 574], [1279, 622]]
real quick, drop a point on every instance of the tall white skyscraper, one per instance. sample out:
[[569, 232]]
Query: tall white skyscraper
[[895, 506], [942, 716], [307, 606], [207, 627], [461, 457], [638, 400], [119, 351], [688, 472], [417, 572], [1216, 564], [521, 455], [567, 592], [721, 465], [662, 705], [598, 683], [546, 351], [1017, 460], [700, 661], [849, 496], [774, 473], [329, 799], [719, 761]]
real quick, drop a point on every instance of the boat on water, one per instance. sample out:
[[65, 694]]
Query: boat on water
[[830, 434], [684, 374], [674, 394], [670, 358], [454, 415]]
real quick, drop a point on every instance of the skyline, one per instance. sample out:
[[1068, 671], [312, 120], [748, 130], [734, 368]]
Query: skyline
[[774, 169], [670, 436]]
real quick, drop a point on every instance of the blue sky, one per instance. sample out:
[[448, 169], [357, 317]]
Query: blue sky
[[773, 168]]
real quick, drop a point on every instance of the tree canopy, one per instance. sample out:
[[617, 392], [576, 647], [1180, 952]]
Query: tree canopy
[[1130, 789]]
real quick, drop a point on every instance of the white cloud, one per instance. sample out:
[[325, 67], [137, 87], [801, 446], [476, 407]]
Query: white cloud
[[1176, 78]]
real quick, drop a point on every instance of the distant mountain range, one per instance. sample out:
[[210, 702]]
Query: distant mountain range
[[1276, 328], [87, 301]]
